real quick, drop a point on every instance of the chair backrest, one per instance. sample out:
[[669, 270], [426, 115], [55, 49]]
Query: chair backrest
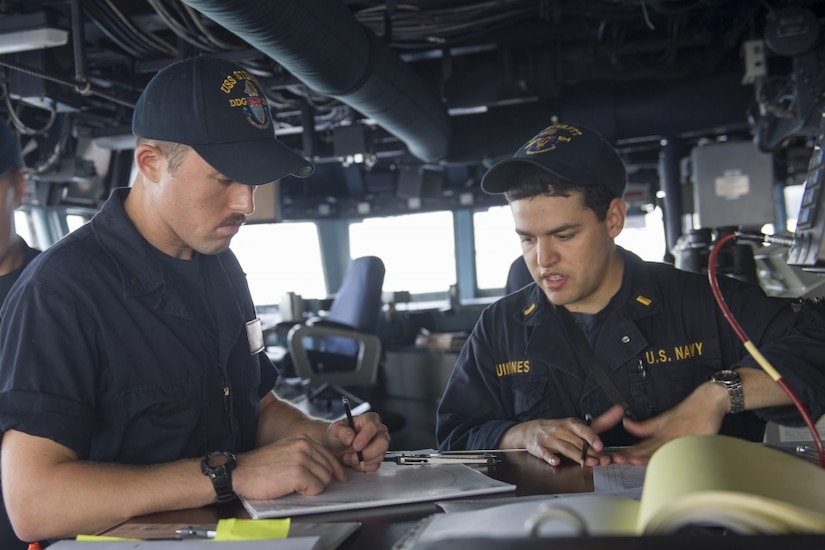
[[343, 347], [358, 301], [518, 276], [357, 304]]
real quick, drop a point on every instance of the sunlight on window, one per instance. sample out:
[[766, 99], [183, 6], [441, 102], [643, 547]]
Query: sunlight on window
[[278, 258], [644, 235], [74, 221], [418, 250], [23, 228], [793, 200], [497, 245]]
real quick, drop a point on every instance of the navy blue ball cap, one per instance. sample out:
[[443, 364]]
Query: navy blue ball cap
[[220, 110], [571, 152], [10, 156]]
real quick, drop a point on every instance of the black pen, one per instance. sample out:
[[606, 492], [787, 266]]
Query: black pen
[[345, 400], [586, 447]]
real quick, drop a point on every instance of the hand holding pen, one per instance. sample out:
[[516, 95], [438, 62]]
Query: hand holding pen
[[588, 419], [351, 422], [362, 438], [597, 425]]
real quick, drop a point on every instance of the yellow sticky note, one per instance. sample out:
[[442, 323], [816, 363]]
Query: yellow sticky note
[[252, 529]]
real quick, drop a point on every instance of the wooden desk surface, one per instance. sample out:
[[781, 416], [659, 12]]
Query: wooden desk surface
[[383, 527]]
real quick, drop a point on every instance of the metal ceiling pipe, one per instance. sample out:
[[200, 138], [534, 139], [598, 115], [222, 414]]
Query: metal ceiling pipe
[[320, 43]]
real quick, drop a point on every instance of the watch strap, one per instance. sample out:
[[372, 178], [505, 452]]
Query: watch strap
[[730, 380]]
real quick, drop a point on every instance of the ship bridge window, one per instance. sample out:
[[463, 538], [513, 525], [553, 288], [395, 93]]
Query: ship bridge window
[[280, 258], [418, 250], [496, 244]]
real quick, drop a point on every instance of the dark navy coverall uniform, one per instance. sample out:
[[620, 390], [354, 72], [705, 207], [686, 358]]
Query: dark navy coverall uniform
[[100, 353], [663, 336]]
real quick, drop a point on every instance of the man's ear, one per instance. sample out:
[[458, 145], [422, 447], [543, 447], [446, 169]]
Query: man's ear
[[616, 213], [149, 161]]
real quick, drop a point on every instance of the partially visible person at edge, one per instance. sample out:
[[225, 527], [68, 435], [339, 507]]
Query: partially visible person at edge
[[132, 373], [15, 252], [521, 382]]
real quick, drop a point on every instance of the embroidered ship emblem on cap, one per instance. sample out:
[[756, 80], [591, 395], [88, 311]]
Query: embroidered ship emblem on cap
[[550, 138], [256, 111]]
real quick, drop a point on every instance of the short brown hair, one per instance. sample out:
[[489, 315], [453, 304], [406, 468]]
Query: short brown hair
[[533, 181]]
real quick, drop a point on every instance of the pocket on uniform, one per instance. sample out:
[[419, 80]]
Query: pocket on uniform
[[158, 421], [676, 372], [530, 397]]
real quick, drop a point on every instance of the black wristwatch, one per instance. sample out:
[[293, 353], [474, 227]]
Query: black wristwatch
[[218, 466], [729, 379]]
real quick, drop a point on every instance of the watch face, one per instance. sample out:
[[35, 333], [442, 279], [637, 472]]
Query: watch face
[[216, 460], [726, 376]]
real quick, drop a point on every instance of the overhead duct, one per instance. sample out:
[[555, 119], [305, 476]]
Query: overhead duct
[[320, 43], [619, 111]]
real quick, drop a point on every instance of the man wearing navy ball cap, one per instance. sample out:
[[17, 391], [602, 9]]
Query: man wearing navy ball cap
[[147, 388], [640, 348]]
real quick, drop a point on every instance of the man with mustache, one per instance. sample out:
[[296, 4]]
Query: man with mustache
[[132, 367], [640, 348]]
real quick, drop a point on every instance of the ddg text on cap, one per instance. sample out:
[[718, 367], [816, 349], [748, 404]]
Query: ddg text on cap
[[571, 152], [219, 109]]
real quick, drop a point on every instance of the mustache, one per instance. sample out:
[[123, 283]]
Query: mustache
[[235, 219]]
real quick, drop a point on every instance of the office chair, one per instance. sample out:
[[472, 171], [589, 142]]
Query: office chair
[[343, 349], [518, 276]]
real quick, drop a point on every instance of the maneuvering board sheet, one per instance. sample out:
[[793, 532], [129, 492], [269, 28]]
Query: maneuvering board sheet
[[391, 484]]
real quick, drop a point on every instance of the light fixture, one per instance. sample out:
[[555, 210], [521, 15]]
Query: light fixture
[[32, 39]]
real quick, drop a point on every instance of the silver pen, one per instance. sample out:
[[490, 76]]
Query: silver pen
[[195, 533]]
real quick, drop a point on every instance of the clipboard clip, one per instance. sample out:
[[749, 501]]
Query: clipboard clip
[[483, 459]]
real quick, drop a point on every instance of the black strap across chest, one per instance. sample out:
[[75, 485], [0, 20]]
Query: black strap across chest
[[589, 360]]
